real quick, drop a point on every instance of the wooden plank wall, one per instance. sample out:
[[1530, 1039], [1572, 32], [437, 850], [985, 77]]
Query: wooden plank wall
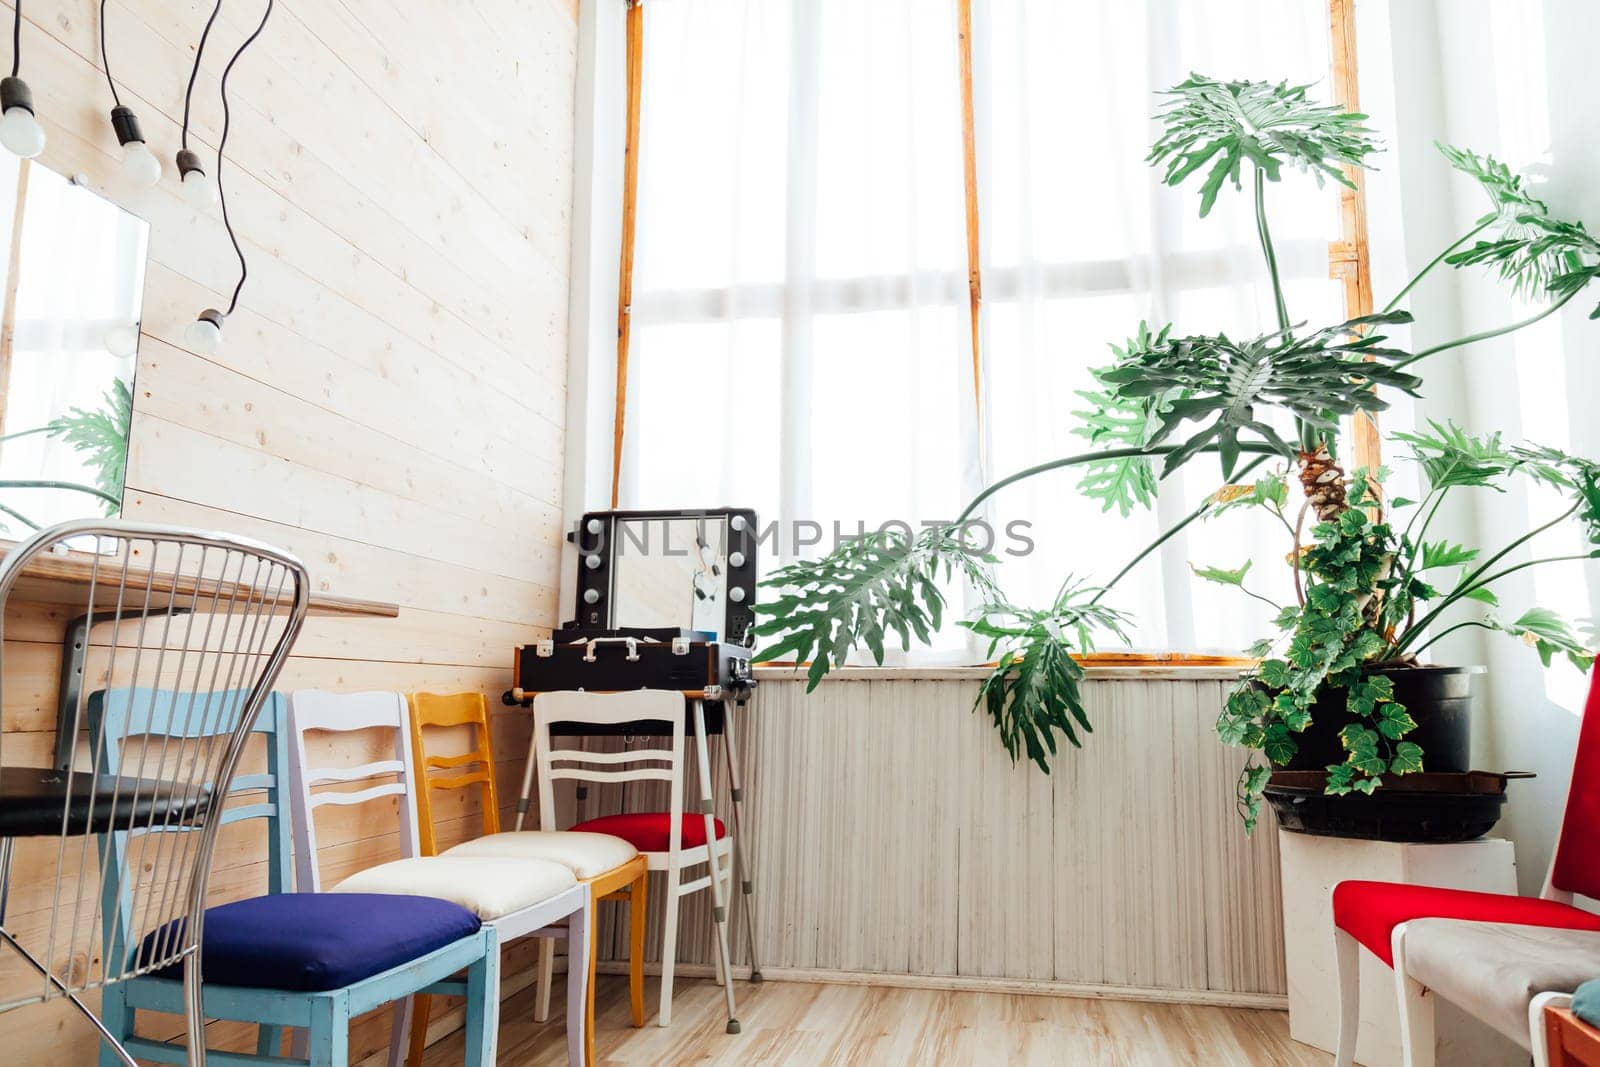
[[892, 837], [389, 400]]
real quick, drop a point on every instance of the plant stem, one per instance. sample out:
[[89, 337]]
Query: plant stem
[[1486, 580], [1170, 533], [30, 483], [26, 433], [1466, 585], [1487, 334], [1447, 631], [1267, 250], [1438, 259], [15, 514], [1253, 447]]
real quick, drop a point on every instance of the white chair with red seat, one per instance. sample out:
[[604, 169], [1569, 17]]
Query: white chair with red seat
[[670, 841], [1378, 915]]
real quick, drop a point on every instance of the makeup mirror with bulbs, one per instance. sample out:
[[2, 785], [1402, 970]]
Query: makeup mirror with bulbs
[[684, 570], [72, 271]]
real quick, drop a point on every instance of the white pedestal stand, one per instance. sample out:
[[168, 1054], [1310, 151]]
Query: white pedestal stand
[[1311, 867]]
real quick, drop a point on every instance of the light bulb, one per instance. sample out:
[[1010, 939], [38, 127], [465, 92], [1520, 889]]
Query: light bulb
[[204, 334], [140, 167], [122, 341], [198, 189], [21, 133]]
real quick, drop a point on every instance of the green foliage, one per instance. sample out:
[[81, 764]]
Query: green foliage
[[1226, 125], [1228, 387], [1549, 634], [882, 584], [1117, 421], [1530, 248], [1032, 692], [102, 436]]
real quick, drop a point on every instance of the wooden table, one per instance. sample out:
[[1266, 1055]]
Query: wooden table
[[1572, 1042]]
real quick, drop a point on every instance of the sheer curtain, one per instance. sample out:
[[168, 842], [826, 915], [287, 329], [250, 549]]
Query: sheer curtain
[[801, 337], [1082, 243]]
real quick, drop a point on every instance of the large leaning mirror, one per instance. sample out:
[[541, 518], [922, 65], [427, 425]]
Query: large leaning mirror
[[73, 286]]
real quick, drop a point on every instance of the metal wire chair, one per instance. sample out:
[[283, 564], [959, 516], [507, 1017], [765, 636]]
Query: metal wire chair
[[199, 616]]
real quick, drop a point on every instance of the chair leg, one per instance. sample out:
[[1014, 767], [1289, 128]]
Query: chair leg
[[329, 1035], [118, 1019], [1416, 1010], [669, 949], [580, 1029], [417, 1038], [1544, 1036], [544, 978], [483, 1006], [1347, 957], [401, 1034], [636, 920]]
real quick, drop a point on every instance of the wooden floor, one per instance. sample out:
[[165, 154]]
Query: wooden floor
[[802, 1023]]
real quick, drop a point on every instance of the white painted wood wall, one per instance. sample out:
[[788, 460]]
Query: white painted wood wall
[[389, 400], [892, 836]]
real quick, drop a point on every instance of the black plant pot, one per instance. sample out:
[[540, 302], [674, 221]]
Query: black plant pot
[[1438, 698]]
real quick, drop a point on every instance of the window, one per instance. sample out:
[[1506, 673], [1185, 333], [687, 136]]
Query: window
[[800, 327]]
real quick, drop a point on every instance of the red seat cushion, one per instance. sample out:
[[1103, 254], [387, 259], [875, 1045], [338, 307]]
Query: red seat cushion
[[647, 830], [1369, 911]]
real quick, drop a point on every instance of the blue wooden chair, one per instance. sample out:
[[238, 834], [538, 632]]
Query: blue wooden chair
[[284, 960]]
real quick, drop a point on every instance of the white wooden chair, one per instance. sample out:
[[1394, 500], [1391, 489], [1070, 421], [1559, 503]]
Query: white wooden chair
[[669, 841], [517, 897]]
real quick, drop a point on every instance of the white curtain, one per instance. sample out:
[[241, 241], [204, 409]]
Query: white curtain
[[801, 336]]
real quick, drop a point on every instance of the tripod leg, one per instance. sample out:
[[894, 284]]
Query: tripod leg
[[719, 906]]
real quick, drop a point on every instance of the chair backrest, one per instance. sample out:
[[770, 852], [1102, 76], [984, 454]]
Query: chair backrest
[[433, 710], [205, 618], [634, 764], [160, 717], [346, 713], [1575, 868]]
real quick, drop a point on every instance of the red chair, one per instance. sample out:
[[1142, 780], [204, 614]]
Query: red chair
[[1375, 914]]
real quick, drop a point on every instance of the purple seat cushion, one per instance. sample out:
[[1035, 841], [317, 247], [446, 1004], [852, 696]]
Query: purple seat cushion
[[311, 942]]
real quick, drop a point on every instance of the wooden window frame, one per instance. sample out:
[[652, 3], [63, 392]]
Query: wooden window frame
[[1349, 257]]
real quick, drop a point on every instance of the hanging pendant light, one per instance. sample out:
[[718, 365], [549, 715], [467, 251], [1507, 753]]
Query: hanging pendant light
[[204, 334], [140, 167], [20, 131]]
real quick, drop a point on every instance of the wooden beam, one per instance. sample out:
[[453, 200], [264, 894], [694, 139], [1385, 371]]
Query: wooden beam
[[1350, 259], [630, 198], [8, 316], [969, 152]]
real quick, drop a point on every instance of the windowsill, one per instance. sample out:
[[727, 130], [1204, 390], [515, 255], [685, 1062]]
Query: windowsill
[[1124, 672]]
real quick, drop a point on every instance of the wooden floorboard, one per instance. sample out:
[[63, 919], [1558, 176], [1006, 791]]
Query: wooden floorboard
[[802, 1023]]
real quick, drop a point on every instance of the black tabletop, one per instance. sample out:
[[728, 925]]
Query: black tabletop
[[32, 800]]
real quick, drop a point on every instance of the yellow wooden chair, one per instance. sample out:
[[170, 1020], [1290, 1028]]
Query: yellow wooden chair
[[612, 868]]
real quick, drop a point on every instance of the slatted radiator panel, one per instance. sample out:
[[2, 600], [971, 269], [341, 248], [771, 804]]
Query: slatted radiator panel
[[891, 835], [389, 399]]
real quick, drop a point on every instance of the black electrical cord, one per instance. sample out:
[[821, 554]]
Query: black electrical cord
[[222, 142], [194, 72], [16, 40], [105, 60]]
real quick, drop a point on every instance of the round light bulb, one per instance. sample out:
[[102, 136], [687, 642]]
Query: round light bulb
[[736, 594], [21, 133], [592, 562], [736, 559], [594, 526], [591, 596], [140, 167], [203, 336], [122, 341], [198, 189], [736, 524]]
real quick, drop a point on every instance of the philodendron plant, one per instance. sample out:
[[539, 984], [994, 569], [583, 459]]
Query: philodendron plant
[[1370, 584]]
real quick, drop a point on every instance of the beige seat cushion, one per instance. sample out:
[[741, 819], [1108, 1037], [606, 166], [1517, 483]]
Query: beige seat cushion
[[1493, 970], [487, 886], [586, 855]]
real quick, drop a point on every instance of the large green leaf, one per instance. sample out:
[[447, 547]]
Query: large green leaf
[[1224, 126], [1526, 245], [869, 586], [1228, 388], [102, 436]]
